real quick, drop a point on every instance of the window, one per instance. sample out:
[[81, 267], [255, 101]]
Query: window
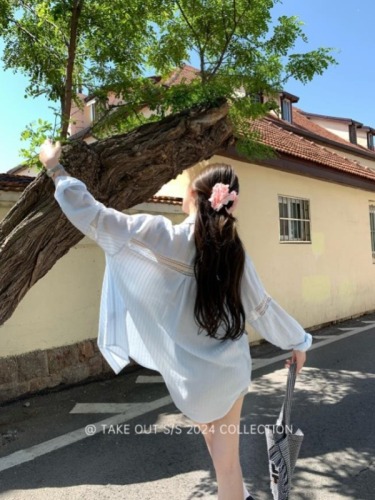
[[294, 214], [372, 230], [353, 133], [92, 109], [370, 140], [97, 108], [256, 97], [286, 110]]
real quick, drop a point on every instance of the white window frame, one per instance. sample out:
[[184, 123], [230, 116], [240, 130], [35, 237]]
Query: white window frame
[[298, 228], [286, 109], [370, 141], [92, 104]]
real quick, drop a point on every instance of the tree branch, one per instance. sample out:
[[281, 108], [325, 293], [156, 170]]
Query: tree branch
[[29, 8], [68, 92], [228, 39], [197, 38], [34, 38], [120, 171]]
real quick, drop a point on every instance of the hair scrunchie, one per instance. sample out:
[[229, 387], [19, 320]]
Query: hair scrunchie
[[221, 196]]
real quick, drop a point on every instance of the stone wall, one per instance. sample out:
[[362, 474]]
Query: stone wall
[[35, 371]]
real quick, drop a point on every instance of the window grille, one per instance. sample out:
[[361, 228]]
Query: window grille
[[294, 214]]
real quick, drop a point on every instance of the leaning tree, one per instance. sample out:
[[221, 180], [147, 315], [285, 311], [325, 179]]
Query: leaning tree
[[102, 46]]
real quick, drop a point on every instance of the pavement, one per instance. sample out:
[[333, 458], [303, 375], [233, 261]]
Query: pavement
[[123, 438]]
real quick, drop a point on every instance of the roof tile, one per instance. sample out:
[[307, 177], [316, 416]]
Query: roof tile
[[287, 142], [12, 182], [9, 182], [301, 121], [184, 74]]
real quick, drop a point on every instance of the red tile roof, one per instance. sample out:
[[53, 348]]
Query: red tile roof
[[184, 74], [19, 182], [301, 121], [167, 200], [12, 182], [287, 142]]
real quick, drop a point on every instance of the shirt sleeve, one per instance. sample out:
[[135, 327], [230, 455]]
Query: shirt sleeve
[[267, 317], [109, 228]]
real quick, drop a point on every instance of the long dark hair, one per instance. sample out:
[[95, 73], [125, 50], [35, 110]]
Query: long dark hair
[[220, 258]]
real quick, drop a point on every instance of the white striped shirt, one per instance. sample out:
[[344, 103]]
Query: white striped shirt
[[147, 306]]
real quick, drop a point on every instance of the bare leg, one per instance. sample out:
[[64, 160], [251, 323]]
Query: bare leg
[[222, 439]]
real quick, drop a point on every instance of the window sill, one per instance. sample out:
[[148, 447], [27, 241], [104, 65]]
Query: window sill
[[295, 242]]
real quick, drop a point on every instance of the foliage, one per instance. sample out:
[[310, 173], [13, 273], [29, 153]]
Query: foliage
[[34, 134], [241, 53]]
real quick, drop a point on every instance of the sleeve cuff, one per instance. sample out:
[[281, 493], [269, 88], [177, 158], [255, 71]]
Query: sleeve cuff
[[60, 178], [305, 345]]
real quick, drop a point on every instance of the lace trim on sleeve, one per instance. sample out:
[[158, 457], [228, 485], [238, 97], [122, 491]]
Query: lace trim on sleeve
[[93, 226], [260, 309]]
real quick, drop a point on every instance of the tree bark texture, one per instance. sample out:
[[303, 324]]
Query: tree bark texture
[[120, 171]]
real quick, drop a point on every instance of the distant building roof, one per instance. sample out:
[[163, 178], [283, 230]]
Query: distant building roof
[[168, 200], [333, 118], [302, 125], [11, 182], [291, 97], [184, 74], [285, 141], [20, 182]]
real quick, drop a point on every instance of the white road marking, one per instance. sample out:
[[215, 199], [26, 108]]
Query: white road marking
[[322, 336], [102, 407], [154, 379], [22, 456], [260, 363], [133, 410]]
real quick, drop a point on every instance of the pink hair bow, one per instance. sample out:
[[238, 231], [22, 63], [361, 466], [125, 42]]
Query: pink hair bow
[[221, 196]]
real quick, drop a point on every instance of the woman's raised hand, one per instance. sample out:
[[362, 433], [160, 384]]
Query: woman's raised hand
[[50, 153]]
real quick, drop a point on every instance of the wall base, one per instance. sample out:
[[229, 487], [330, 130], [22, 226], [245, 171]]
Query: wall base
[[41, 371]]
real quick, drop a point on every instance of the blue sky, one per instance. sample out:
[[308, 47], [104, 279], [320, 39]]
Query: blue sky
[[344, 90]]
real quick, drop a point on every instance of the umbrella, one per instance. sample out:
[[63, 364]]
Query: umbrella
[[283, 445]]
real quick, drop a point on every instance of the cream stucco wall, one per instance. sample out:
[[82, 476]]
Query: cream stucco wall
[[334, 126], [329, 279], [362, 137], [61, 308]]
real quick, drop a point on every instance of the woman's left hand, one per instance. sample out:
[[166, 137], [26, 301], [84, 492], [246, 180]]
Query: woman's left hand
[[298, 357]]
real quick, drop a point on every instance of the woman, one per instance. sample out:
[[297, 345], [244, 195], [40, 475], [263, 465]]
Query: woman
[[175, 299]]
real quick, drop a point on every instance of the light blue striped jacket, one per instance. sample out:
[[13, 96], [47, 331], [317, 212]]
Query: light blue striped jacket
[[147, 306]]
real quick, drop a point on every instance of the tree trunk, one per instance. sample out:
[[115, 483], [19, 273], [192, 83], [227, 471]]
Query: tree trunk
[[121, 172], [65, 109]]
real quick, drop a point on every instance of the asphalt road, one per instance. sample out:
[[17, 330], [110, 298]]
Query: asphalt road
[[124, 438]]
